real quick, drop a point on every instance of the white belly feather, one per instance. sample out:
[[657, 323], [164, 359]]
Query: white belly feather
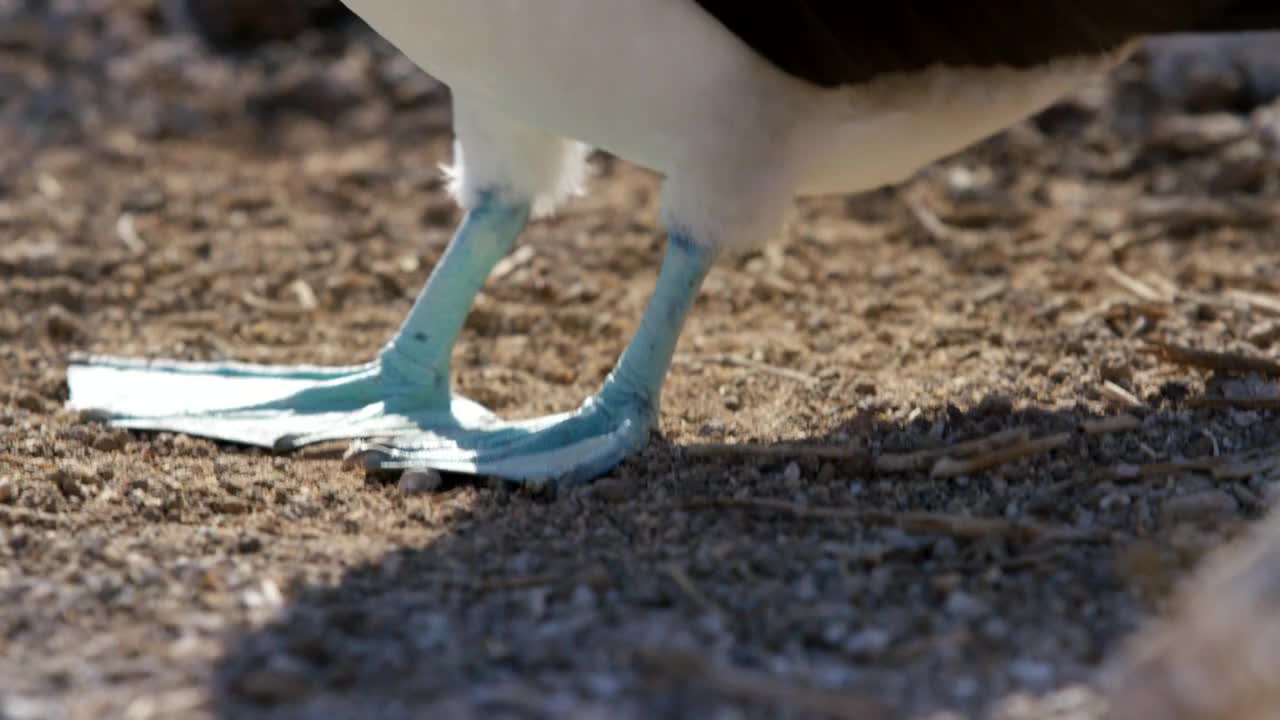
[[664, 85]]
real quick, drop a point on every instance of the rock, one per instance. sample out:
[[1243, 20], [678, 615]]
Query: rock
[[792, 473], [109, 442], [1197, 134], [68, 481], [962, 605], [1207, 505], [419, 482], [8, 490], [60, 324], [612, 489], [867, 643], [281, 679]]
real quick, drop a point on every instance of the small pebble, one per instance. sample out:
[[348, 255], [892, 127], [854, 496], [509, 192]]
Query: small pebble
[[419, 482], [792, 473], [109, 442], [62, 325], [1033, 673], [612, 489], [8, 490], [282, 679], [66, 481], [867, 643], [962, 605], [1206, 505]]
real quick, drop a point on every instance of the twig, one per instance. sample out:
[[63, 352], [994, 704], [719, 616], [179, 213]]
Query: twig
[[743, 362], [510, 263], [951, 467], [777, 452], [929, 220], [788, 697], [690, 588], [1114, 424], [887, 463], [1209, 360], [924, 458], [1256, 301], [272, 307], [1118, 395], [1135, 286], [1254, 403], [128, 234], [926, 523], [1228, 467]]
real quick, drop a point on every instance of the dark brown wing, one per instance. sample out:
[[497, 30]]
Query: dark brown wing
[[840, 42]]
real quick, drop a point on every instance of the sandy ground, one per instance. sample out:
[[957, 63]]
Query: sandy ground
[[849, 556]]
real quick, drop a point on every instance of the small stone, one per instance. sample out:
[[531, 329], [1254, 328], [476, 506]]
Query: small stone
[[29, 401], [282, 679], [60, 324], [1032, 673], [109, 442], [732, 402], [1206, 505], [1264, 334], [419, 482], [248, 544], [583, 597], [229, 506], [8, 490], [713, 428], [611, 489], [962, 605], [66, 481], [867, 643], [792, 473]]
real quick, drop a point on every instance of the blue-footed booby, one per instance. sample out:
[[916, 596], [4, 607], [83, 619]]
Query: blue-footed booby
[[741, 107]]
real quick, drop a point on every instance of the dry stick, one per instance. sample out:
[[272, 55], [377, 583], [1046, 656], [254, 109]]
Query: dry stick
[[921, 459], [1107, 425], [1256, 301], [958, 526], [1208, 360], [789, 697], [690, 588], [1271, 403], [1120, 396], [888, 462], [272, 307], [1142, 290], [1232, 467], [779, 451], [951, 467]]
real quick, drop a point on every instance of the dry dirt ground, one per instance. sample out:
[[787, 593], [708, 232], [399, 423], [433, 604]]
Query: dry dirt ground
[[849, 556]]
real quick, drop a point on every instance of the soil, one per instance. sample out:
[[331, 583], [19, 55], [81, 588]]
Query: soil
[[805, 537]]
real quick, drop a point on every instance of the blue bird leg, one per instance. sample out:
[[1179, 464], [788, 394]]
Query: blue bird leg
[[607, 428], [405, 389], [418, 355]]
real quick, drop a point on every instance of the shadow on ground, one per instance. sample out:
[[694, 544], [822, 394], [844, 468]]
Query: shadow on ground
[[747, 586]]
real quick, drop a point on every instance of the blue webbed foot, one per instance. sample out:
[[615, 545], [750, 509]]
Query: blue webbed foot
[[568, 448], [605, 430], [405, 389]]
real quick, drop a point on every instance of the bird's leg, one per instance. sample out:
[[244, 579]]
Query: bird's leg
[[609, 426], [405, 388]]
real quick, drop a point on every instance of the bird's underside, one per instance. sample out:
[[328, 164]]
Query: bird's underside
[[504, 58]]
